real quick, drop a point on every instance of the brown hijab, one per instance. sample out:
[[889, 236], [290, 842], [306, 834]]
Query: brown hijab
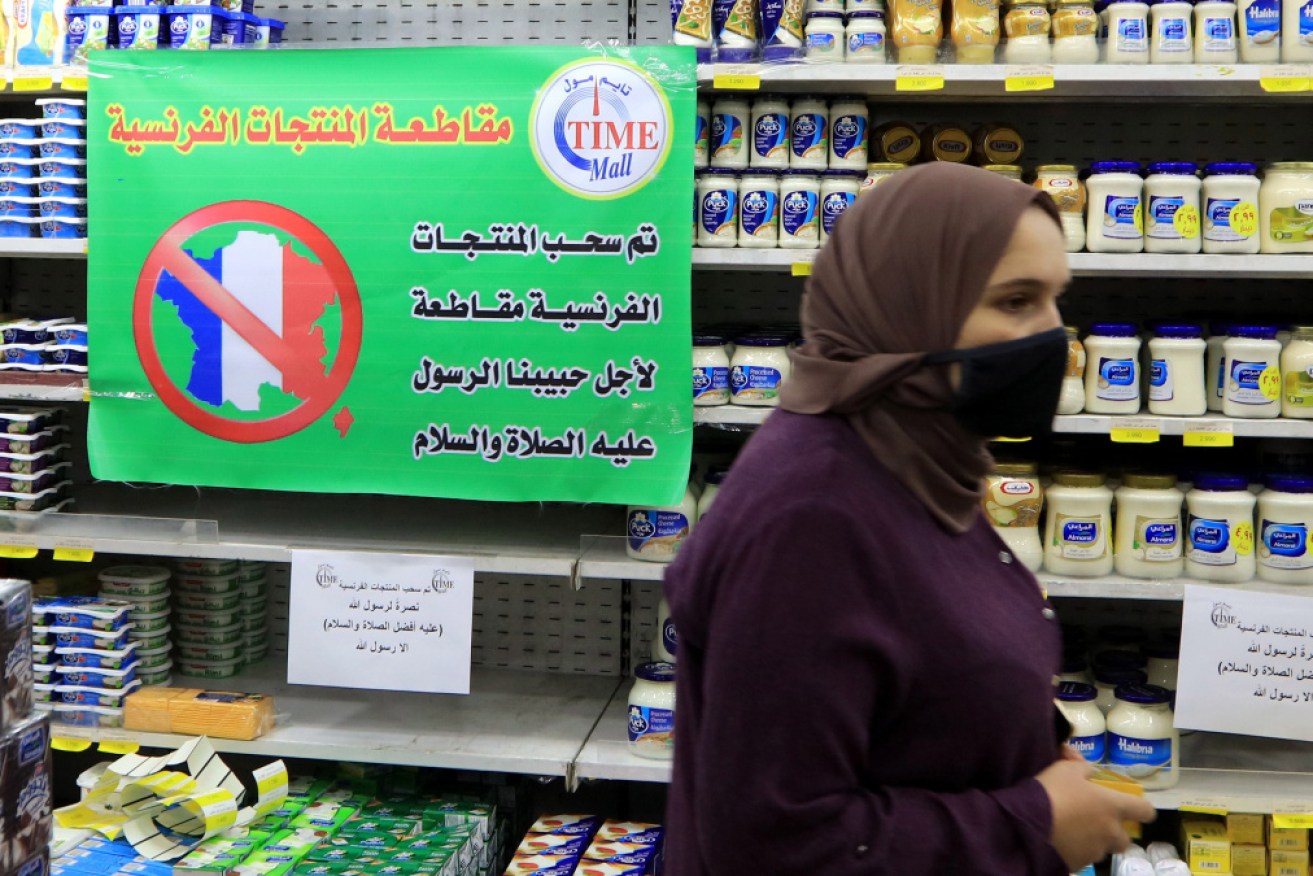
[[896, 281]]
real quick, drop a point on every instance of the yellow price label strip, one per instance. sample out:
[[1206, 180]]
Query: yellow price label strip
[[1208, 439], [75, 555], [735, 77], [1202, 809], [17, 552], [802, 269], [33, 83], [86, 393], [1244, 539], [67, 743], [1244, 219], [119, 746], [1186, 221], [1291, 820], [1285, 79], [74, 83], [1001, 440], [1135, 434], [1028, 79], [919, 79]]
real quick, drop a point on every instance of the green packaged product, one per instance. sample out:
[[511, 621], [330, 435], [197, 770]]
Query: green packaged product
[[324, 814], [307, 788], [399, 827], [309, 867]]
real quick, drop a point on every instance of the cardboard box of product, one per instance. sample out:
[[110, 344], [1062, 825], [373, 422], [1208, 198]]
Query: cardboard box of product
[[1291, 839], [1207, 849], [1124, 785], [1248, 859], [1246, 829], [1284, 862]]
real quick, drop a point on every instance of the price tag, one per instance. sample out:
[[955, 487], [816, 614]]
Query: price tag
[[74, 83], [1244, 219], [86, 392], [17, 552], [1186, 221], [1244, 538], [74, 553], [33, 83], [1208, 433], [1136, 431], [68, 743], [1203, 809], [1038, 78], [802, 264], [1286, 79], [118, 746], [1269, 383], [1010, 440], [919, 79], [1139, 217], [1291, 820], [736, 77]]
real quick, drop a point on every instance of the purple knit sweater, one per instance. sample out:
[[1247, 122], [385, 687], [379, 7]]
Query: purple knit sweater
[[858, 692]]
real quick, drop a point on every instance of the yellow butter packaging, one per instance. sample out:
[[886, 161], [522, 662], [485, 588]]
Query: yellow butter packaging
[[1245, 829], [1248, 859], [1291, 839], [1207, 849], [1288, 863], [1124, 785]]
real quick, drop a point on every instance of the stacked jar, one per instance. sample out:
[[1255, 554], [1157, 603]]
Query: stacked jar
[[253, 579], [208, 630], [147, 588], [858, 37]]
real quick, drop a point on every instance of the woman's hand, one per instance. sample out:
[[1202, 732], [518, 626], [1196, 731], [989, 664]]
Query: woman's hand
[[1087, 817]]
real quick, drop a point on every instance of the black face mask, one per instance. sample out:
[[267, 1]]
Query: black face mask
[[1009, 390]]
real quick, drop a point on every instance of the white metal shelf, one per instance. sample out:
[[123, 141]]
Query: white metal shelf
[[513, 722], [20, 386], [31, 83], [41, 248], [1083, 264], [1098, 81], [730, 415]]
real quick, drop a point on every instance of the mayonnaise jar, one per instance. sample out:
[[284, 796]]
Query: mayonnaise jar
[[800, 201], [759, 209], [1106, 682], [1078, 531], [1115, 220], [1176, 371], [1171, 193], [1260, 31], [718, 207], [770, 133], [1215, 365], [1230, 207], [1072, 400], [1297, 375], [760, 365], [1013, 501], [1075, 33], [1253, 373], [809, 134], [838, 193], [710, 371], [1148, 542], [1088, 726], [1173, 38], [1027, 24], [1285, 203], [655, 533], [1128, 32], [1215, 32], [1062, 183], [1112, 370], [1143, 743], [1285, 516], [1296, 32], [652, 711], [1220, 529]]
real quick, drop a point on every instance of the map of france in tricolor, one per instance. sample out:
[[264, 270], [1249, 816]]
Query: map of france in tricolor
[[286, 291]]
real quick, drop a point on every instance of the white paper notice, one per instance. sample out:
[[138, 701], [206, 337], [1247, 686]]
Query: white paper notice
[[1246, 663], [381, 621]]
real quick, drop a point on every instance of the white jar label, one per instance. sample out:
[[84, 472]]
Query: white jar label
[[1117, 380], [656, 532], [1139, 758], [808, 136], [1162, 217], [718, 213], [652, 729], [800, 215], [1160, 381], [1253, 383], [1217, 221], [836, 204], [1173, 35], [1080, 538], [770, 136], [1092, 748], [711, 383], [1157, 539], [1284, 546], [726, 135], [1132, 35], [760, 215], [822, 44], [1219, 35], [1121, 218], [1263, 22], [1210, 542], [754, 382], [862, 44], [850, 133]]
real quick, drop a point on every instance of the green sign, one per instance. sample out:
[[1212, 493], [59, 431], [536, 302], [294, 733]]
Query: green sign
[[454, 272]]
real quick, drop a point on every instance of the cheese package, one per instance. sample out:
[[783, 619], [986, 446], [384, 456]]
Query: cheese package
[[1288, 862], [15, 651], [1245, 829], [1206, 847], [190, 712], [1248, 860], [1294, 839]]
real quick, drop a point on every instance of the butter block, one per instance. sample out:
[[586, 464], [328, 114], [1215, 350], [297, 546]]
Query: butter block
[[1285, 862], [1245, 829], [1248, 859], [1207, 849], [1292, 839]]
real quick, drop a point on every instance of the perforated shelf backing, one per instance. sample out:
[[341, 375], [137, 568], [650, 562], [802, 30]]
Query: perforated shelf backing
[[520, 622], [451, 22]]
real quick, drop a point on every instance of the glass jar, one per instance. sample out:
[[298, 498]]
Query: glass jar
[[1128, 32], [877, 172], [809, 134], [652, 711], [1285, 515], [825, 37], [710, 371], [1215, 364], [1148, 541], [1260, 31], [759, 366], [718, 207], [1088, 726], [1230, 207], [1143, 743], [729, 133], [759, 209], [1173, 33], [1215, 32], [1013, 501], [800, 219], [1075, 33], [1078, 528], [1171, 193], [1253, 373], [1072, 400], [866, 37], [850, 133], [1220, 529], [1106, 682], [838, 193], [1297, 375], [1115, 220], [1112, 371], [1176, 371], [1007, 171], [1027, 25], [665, 641], [656, 533], [1285, 212], [770, 133], [702, 136]]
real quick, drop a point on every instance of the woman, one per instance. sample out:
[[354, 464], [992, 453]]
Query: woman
[[865, 675]]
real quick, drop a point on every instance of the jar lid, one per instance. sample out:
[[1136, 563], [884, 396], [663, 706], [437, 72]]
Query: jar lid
[[1119, 660], [1231, 168], [1162, 650], [798, 171], [662, 672], [1120, 676], [759, 171], [1174, 168], [1115, 167], [708, 340], [1003, 168], [1285, 483], [1113, 329], [843, 174], [811, 15], [1056, 168], [716, 474], [889, 166], [1221, 483], [718, 171], [1291, 165], [1179, 330], [761, 341], [1016, 469], [1144, 694], [1076, 692], [1259, 332], [1079, 479], [1150, 481], [865, 13]]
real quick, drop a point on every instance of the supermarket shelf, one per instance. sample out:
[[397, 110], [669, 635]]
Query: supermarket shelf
[[43, 82], [1083, 264], [20, 386], [501, 538], [730, 415], [40, 248], [512, 722], [1101, 81], [1097, 424], [603, 558], [606, 755]]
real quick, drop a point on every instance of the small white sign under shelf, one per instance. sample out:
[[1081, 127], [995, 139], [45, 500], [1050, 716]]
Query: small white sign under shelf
[[1246, 663], [381, 621]]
